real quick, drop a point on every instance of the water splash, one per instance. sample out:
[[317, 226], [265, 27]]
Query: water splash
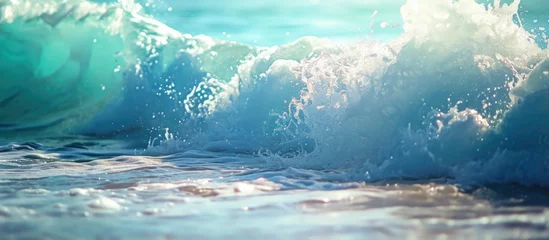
[[464, 85]]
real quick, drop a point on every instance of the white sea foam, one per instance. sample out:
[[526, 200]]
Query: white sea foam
[[446, 95]]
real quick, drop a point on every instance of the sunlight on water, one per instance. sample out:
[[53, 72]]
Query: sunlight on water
[[315, 119], [275, 22]]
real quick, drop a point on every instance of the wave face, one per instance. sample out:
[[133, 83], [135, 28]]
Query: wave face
[[461, 95]]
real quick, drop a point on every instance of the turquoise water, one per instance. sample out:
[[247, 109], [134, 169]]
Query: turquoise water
[[269, 23], [304, 119], [277, 22]]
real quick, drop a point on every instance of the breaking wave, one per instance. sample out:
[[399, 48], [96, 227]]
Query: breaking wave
[[462, 94]]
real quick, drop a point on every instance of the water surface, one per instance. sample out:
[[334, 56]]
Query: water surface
[[276, 119]]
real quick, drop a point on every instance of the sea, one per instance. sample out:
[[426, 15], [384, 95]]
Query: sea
[[274, 119]]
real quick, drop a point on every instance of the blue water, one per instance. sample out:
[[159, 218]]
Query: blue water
[[282, 119]]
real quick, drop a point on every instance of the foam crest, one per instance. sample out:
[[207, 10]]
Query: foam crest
[[432, 103], [464, 85]]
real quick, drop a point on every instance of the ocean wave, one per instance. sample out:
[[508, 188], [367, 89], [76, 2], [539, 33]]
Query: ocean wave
[[447, 99], [462, 94]]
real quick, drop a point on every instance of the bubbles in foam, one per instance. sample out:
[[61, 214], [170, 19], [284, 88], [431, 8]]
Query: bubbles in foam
[[432, 103], [444, 95], [429, 104], [104, 203]]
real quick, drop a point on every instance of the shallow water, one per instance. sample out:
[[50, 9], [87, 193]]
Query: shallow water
[[77, 193], [171, 120]]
